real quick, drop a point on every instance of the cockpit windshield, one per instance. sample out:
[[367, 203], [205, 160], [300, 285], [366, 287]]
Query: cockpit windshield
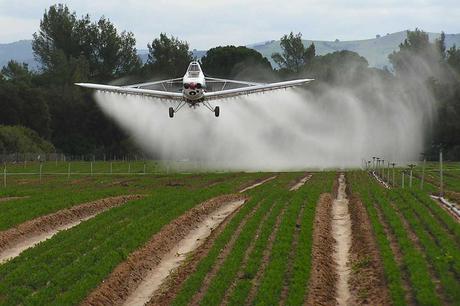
[[193, 67]]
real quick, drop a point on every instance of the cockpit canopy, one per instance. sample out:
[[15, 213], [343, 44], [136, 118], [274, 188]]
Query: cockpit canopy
[[193, 70]]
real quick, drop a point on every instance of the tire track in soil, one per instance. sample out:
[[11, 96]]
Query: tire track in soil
[[418, 246], [367, 280], [323, 278], [247, 255], [265, 259], [409, 294], [127, 276], [290, 267], [28, 234], [222, 256]]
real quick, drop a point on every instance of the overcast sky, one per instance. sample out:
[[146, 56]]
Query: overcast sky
[[208, 23]]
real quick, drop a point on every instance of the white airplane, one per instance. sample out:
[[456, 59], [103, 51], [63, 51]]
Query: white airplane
[[195, 88]]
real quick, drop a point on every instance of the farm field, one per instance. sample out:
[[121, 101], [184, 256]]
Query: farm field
[[272, 239]]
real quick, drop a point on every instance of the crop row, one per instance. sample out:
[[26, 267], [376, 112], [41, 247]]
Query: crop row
[[285, 207], [432, 254], [64, 269]]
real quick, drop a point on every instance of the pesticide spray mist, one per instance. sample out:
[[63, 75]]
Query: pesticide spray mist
[[284, 130]]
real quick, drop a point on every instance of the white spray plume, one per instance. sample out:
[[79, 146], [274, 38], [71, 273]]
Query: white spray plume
[[283, 130]]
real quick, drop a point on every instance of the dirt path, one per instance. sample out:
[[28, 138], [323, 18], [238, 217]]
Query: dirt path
[[322, 283], [257, 184], [127, 276], [300, 183], [28, 234], [178, 254], [341, 231]]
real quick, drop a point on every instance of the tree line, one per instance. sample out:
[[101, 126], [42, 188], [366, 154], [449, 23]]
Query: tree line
[[75, 49]]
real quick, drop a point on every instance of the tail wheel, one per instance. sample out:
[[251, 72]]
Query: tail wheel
[[217, 111], [171, 112]]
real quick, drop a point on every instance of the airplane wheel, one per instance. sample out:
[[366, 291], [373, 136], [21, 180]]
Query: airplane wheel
[[217, 111], [171, 112]]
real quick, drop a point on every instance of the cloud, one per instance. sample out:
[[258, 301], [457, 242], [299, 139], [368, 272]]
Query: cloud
[[206, 23]]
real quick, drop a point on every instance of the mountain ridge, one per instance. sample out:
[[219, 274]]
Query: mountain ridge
[[375, 50]]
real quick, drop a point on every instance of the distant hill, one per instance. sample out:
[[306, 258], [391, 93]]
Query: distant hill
[[375, 50]]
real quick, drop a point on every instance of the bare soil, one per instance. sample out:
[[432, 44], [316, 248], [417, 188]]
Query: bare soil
[[367, 279], [127, 276], [300, 182], [341, 231], [15, 240], [322, 283], [257, 183]]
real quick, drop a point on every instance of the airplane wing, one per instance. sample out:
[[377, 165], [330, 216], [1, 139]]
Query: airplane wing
[[229, 93], [137, 89]]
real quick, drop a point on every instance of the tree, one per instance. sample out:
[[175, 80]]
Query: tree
[[168, 56], [84, 49], [236, 62], [295, 56], [17, 72]]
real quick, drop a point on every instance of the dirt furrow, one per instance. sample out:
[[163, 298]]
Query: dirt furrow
[[247, 255], [301, 182], [341, 231], [417, 244], [26, 235], [367, 279], [323, 278], [257, 183], [220, 260], [265, 260], [127, 276], [409, 294], [291, 258]]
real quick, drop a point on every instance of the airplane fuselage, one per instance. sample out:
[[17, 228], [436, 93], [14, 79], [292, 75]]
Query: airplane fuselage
[[194, 84]]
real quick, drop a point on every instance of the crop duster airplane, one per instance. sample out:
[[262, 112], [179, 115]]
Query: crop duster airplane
[[194, 89]]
